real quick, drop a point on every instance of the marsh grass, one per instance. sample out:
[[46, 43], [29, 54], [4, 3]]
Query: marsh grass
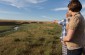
[[32, 39]]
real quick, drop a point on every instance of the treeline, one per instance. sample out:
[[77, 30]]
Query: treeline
[[20, 22], [9, 23]]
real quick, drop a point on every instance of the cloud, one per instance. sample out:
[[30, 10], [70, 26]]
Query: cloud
[[35, 1], [60, 9], [65, 8], [21, 3], [83, 6]]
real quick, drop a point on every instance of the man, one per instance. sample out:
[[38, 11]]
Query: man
[[75, 39]]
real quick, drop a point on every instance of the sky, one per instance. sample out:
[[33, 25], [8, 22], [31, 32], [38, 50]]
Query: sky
[[37, 10]]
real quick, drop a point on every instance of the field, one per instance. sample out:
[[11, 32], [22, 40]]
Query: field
[[31, 39]]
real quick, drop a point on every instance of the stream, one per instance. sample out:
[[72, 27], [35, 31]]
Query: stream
[[13, 29]]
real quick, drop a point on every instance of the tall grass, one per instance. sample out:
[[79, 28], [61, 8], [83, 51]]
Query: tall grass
[[32, 39]]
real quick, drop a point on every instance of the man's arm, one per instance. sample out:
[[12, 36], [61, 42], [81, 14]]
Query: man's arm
[[55, 21], [69, 35], [71, 29], [59, 22]]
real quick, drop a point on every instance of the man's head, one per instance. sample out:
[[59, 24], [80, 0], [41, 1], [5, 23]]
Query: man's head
[[75, 6], [74, 0]]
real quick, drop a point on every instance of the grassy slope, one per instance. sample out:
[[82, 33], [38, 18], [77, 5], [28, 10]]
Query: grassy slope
[[32, 39]]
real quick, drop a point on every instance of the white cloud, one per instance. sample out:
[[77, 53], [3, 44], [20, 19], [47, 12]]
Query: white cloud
[[83, 6], [45, 17], [60, 9], [21, 3], [35, 1], [65, 8]]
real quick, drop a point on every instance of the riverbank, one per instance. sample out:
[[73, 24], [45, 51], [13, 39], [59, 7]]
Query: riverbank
[[8, 29]]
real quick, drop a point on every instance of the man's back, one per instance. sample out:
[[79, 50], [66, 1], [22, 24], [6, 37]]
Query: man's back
[[78, 39]]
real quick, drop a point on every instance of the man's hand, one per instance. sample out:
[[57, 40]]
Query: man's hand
[[55, 21], [64, 43]]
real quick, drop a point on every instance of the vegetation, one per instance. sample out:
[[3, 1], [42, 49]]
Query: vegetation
[[3, 28], [32, 39]]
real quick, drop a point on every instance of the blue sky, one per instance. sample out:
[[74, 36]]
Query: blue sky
[[41, 10]]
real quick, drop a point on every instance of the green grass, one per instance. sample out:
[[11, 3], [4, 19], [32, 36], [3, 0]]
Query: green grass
[[32, 39], [3, 28]]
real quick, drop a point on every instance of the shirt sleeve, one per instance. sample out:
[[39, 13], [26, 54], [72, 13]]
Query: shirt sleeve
[[60, 22], [73, 23]]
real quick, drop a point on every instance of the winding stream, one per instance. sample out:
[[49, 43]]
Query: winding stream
[[13, 29]]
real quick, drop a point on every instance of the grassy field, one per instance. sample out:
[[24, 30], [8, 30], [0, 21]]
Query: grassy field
[[32, 39]]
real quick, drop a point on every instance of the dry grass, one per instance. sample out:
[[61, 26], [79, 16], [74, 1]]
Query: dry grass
[[32, 39]]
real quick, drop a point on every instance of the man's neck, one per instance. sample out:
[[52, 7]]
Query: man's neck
[[73, 13]]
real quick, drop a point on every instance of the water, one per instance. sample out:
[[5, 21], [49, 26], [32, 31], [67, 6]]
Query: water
[[16, 28]]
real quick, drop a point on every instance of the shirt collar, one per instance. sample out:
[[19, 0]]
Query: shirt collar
[[76, 13]]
